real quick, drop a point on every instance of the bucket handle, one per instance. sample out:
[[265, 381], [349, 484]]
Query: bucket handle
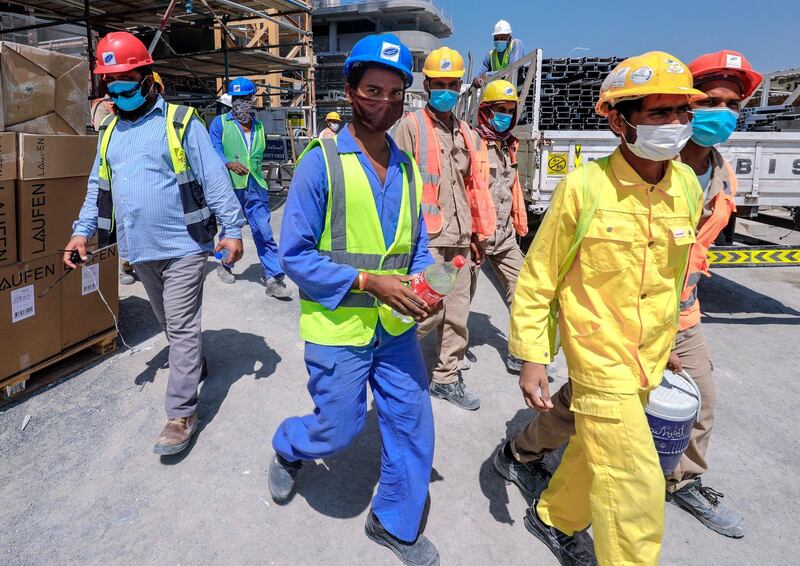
[[695, 391]]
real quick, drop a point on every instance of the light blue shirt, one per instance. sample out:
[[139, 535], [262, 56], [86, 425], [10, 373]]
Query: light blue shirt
[[304, 219], [147, 204], [517, 52]]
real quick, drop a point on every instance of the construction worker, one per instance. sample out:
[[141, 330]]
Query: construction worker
[[333, 122], [497, 116], [156, 187], [127, 274], [352, 232], [726, 78], [608, 264], [507, 51], [458, 209], [238, 137]]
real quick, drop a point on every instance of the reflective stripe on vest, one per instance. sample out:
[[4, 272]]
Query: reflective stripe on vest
[[198, 219], [428, 155], [235, 147], [708, 231], [353, 236]]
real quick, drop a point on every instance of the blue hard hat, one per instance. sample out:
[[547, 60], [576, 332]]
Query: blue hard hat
[[386, 49], [241, 86]]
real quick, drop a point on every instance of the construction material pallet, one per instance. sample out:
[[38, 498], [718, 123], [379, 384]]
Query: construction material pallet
[[56, 367]]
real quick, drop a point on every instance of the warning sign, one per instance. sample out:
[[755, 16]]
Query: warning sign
[[557, 164], [577, 162], [766, 256]]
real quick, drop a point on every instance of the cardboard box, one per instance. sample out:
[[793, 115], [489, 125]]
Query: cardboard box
[[83, 313], [46, 209], [30, 325], [55, 157], [8, 224], [8, 156], [42, 92]]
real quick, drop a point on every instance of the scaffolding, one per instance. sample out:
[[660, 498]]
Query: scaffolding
[[197, 45]]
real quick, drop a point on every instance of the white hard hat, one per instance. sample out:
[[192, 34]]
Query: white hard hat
[[226, 99], [502, 28]]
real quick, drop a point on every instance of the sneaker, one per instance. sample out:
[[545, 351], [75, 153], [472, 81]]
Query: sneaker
[[127, 278], [457, 394], [568, 550], [530, 477], [277, 288], [282, 475], [469, 359], [421, 552], [176, 436], [704, 503], [513, 364], [225, 274]]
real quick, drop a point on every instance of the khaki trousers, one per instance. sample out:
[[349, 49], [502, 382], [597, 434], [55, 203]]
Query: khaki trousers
[[506, 265], [451, 322], [552, 429]]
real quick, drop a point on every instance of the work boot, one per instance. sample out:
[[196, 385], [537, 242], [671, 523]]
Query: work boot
[[457, 394], [176, 435], [277, 288], [225, 274], [421, 552], [282, 475], [568, 550], [127, 277], [530, 477], [704, 503], [513, 364]]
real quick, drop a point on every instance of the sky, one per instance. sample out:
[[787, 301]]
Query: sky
[[767, 32]]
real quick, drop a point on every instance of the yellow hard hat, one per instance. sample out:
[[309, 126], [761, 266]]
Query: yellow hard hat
[[654, 72], [333, 116], [444, 62], [158, 81], [499, 91]]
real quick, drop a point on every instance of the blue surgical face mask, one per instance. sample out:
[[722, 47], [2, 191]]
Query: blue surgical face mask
[[500, 45], [443, 100], [501, 121], [127, 95], [711, 126]]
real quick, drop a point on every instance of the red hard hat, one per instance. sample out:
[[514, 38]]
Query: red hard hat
[[120, 51], [726, 63]]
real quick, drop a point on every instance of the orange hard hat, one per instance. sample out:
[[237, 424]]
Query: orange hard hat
[[726, 64], [119, 52]]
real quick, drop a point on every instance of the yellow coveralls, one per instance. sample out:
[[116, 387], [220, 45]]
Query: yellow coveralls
[[618, 319]]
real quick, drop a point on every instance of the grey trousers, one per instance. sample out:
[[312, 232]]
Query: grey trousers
[[175, 290]]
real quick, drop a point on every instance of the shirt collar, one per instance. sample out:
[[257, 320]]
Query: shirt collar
[[347, 144], [627, 177]]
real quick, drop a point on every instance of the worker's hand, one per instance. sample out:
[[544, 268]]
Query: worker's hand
[[234, 246], [535, 386], [76, 243], [237, 168], [392, 290], [477, 250], [674, 363], [477, 81]]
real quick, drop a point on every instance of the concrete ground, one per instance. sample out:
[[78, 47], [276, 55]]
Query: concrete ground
[[80, 484]]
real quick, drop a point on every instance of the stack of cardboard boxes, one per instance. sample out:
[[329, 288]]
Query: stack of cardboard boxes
[[45, 161]]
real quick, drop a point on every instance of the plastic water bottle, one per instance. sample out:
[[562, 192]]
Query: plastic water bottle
[[438, 280], [223, 255]]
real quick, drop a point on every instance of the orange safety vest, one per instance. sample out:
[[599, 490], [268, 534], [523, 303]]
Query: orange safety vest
[[519, 216], [428, 156], [710, 227]]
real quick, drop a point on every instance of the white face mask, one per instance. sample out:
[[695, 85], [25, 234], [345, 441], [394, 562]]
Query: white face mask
[[659, 143], [334, 126]]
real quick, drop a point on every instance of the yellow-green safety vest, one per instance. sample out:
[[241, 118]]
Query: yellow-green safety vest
[[497, 63], [352, 236], [235, 147], [200, 222]]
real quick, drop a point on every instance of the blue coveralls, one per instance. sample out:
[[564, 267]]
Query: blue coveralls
[[392, 365], [255, 203]]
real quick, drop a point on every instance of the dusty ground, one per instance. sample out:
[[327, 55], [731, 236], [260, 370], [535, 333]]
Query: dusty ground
[[80, 485]]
